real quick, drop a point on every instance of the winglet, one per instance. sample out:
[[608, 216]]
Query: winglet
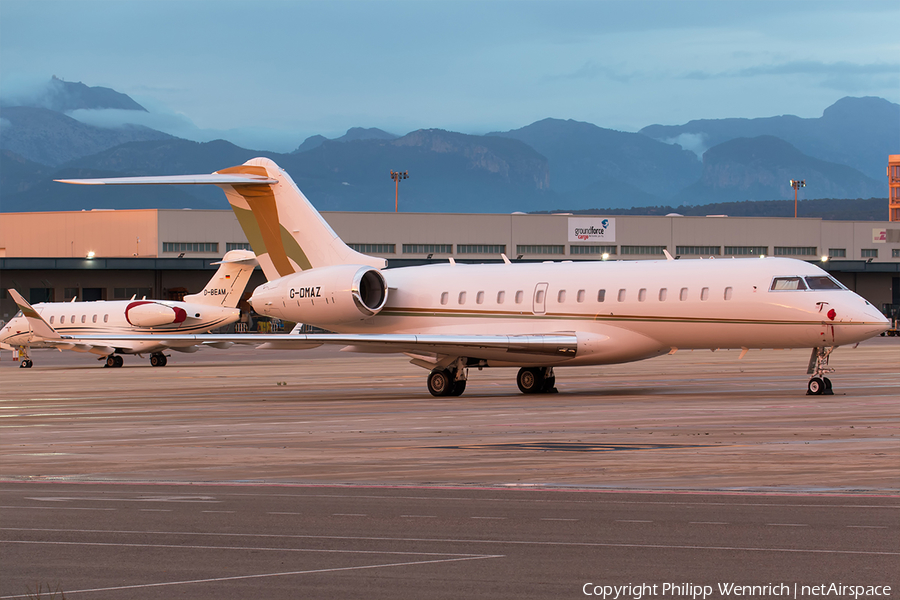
[[39, 327], [668, 256]]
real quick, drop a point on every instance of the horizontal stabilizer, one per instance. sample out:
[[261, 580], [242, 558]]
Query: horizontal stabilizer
[[211, 179]]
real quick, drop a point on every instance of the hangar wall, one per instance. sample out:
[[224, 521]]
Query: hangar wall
[[164, 253]]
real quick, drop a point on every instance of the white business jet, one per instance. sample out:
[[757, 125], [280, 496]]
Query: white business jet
[[451, 317], [84, 326]]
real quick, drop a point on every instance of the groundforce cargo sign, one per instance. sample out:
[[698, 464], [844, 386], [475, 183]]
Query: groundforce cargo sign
[[592, 230]]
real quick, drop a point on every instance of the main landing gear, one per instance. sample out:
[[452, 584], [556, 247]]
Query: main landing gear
[[114, 360], [536, 380], [26, 364], [818, 366], [158, 359], [451, 380], [447, 382]]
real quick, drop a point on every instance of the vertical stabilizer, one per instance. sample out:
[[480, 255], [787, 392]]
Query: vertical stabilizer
[[287, 233], [39, 327], [231, 278]]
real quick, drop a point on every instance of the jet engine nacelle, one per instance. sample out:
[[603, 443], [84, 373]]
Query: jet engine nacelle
[[146, 313], [323, 296]]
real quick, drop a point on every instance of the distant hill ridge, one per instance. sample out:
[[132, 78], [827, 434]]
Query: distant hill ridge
[[552, 162]]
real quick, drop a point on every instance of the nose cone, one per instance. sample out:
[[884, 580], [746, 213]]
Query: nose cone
[[15, 332], [859, 320]]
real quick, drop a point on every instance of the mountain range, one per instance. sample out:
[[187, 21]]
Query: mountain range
[[550, 165]]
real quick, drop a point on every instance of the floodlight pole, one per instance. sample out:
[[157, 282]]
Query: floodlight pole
[[797, 185], [397, 176]]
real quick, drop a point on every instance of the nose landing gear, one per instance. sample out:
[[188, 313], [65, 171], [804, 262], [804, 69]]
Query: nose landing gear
[[818, 366]]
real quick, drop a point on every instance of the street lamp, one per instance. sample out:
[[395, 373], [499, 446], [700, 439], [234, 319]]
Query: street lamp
[[397, 176], [797, 185]]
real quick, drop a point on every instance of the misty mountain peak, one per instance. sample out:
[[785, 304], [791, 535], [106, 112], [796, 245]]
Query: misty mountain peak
[[65, 96]]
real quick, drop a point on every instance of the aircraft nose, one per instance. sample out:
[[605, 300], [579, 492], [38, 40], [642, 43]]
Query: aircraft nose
[[864, 320]]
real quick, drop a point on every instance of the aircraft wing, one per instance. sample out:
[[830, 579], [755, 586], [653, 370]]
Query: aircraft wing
[[496, 347]]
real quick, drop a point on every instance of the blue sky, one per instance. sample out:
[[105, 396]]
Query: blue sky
[[266, 75]]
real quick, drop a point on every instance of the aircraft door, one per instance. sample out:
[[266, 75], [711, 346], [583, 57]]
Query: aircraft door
[[540, 299]]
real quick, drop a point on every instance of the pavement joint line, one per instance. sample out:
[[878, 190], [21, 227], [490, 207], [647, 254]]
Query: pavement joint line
[[471, 541], [263, 575], [250, 548]]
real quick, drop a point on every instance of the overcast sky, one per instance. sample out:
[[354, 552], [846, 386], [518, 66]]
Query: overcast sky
[[268, 74]]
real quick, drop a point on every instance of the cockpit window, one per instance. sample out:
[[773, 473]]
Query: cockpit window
[[18, 314], [788, 283], [823, 283]]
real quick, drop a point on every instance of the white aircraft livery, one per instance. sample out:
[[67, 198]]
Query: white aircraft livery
[[450, 317], [83, 326]]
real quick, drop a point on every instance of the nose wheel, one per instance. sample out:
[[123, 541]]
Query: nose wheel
[[818, 365]]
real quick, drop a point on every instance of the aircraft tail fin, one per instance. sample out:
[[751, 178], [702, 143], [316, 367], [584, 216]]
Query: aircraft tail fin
[[39, 327], [228, 284], [285, 231]]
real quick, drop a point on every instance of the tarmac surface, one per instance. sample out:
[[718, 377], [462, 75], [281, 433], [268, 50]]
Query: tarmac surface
[[318, 473]]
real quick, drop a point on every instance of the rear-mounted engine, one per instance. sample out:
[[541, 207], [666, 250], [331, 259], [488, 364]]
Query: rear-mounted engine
[[324, 296]]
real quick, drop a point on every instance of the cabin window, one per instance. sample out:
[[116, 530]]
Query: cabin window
[[662, 294], [621, 296], [519, 296], [479, 298], [561, 297], [445, 297], [642, 294], [73, 319], [501, 296], [83, 318], [580, 296], [728, 293], [62, 319], [823, 283], [788, 283], [683, 294], [105, 318], [539, 297], [601, 295], [704, 294], [462, 298]]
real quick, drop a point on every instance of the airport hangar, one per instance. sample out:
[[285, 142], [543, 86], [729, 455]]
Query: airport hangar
[[115, 254]]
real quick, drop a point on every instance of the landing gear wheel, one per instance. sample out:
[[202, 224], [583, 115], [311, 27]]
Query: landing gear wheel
[[26, 364], [440, 383], [828, 391], [530, 380], [815, 387], [458, 387], [549, 386], [111, 360], [119, 361], [158, 359]]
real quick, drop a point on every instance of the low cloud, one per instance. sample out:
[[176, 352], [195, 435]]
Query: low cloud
[[695, 142]]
